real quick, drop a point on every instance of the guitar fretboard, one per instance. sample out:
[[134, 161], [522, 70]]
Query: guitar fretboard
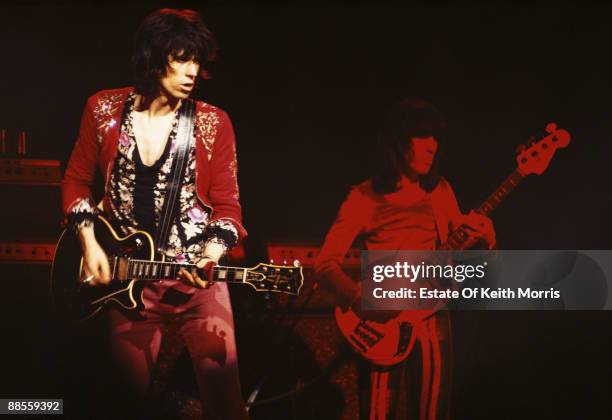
[[500, 193], [144, 270], [458, 237]]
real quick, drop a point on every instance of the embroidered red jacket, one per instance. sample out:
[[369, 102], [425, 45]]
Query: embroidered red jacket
[[215, 149]]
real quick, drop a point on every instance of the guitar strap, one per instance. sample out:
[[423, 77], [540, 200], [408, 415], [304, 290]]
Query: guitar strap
[[183, 139]]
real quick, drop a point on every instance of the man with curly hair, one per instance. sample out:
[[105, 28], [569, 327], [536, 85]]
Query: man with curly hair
[[130, 134]]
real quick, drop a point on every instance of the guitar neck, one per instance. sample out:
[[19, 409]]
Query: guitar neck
[[459, 236], [500, 193], [145, 270]]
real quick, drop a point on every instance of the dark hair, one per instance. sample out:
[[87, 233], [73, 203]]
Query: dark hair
[[408, 118], [180, 34]]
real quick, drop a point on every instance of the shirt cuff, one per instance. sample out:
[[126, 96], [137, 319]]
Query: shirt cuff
[[223, 232], [82, 214]]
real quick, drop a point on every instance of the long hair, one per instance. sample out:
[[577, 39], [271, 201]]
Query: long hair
[[179, 34], [408, 118]]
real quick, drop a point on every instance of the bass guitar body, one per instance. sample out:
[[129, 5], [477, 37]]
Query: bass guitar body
[[384, 344]]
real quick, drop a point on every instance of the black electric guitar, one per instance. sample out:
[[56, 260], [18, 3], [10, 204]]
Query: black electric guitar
[[132, 264], [388, 343]]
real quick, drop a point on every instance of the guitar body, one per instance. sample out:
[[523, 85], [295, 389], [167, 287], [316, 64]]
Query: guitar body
[[384, 344], [76, 300], [132, 264]]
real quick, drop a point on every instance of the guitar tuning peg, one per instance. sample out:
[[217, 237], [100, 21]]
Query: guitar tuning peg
[[551, 127]]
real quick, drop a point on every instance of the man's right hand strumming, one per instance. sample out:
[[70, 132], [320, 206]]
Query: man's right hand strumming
[[95, 261]]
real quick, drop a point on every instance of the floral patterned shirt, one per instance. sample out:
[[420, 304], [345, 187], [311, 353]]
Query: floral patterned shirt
[[191, 230]]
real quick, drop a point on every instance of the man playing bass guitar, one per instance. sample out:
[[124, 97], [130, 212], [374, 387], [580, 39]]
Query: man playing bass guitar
[[405, 205]]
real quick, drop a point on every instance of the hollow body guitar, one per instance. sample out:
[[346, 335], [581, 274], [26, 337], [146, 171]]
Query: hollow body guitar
[[132, 264], [388, 343]]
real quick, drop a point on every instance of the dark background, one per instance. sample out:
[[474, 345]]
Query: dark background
[[307, 85]]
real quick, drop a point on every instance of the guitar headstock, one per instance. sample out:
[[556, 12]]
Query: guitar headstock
[[534, 159], [276, 278]]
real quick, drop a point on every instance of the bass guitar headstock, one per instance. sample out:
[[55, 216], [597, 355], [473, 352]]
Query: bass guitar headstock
[[535, 158]]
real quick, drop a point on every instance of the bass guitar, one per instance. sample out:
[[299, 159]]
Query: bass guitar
[[132, 264], [389, 342]]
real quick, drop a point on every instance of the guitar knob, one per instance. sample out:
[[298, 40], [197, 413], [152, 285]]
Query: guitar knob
[[551, 127]]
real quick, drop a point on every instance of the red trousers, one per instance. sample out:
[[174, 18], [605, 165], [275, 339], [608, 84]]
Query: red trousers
[[419, 387], [205, 321]]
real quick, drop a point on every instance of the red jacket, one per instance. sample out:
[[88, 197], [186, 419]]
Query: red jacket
[[216, 165]]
